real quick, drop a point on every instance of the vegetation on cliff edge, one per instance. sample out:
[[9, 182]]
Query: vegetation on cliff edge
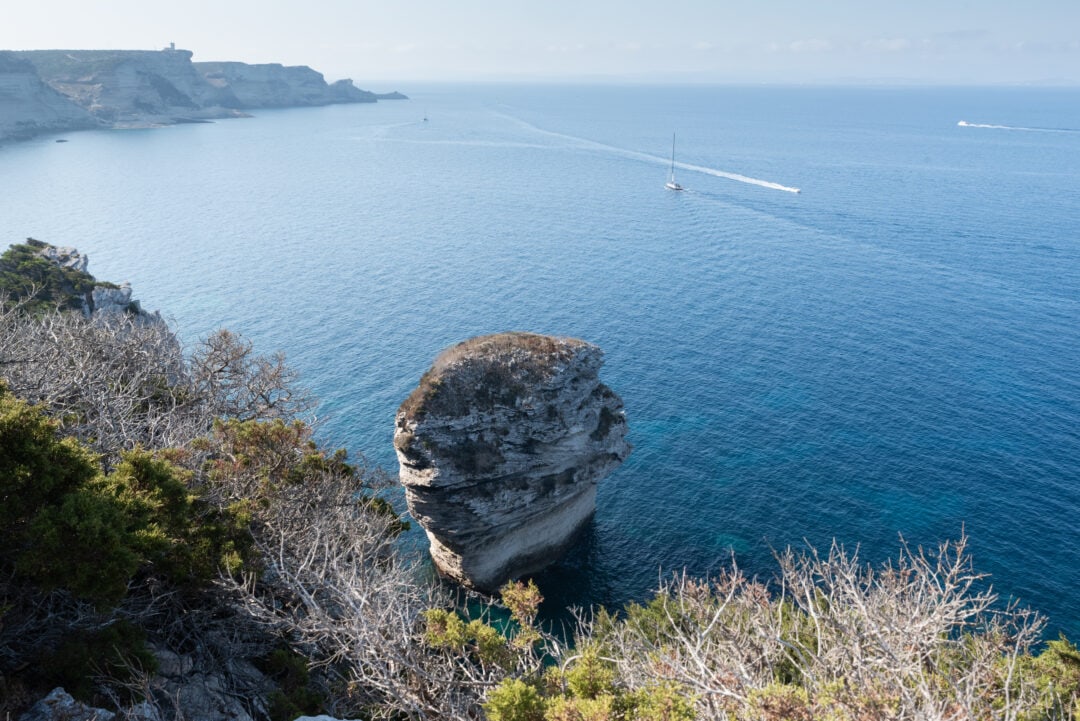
[[157, 504]]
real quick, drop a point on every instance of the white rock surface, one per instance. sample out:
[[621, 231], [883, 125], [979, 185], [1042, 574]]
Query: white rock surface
[[127, 88], [271, 85], [29, 107], [65, 257], [103, 301], [501, 448], [55, 90], [111, 300]]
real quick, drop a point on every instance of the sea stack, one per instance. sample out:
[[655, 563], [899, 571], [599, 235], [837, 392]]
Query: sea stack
[[501, 448]]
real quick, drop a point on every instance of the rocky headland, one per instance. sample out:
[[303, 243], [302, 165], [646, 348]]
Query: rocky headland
[[44, 91], [29, 106], [60, 278], [501, 448], [277, 86]]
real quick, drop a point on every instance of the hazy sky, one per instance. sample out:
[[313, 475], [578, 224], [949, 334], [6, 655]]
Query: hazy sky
[[393, 41]]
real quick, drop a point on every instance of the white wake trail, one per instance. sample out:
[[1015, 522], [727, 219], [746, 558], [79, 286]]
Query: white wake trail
[[656, 159], [966, 124], [741, 178]]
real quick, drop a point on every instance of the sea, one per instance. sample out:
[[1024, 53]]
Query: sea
[[890, 355]]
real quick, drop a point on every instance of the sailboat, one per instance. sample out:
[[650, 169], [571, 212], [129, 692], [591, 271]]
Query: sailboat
[[671, 184]]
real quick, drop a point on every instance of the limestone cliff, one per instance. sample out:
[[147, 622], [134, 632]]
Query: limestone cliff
[[55, 90], [277, 86], [133, 87], [29, 107], [501, 448]]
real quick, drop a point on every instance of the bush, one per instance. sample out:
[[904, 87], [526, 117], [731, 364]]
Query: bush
[[64, 524], [172, 529], [58, 528], [26, 276], [514, 700], [35, 468], [117, 652], [1055, 673], [295, 696]]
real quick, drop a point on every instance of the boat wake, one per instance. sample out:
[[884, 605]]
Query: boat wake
[[645, 157], [966, 124], [740, 178]]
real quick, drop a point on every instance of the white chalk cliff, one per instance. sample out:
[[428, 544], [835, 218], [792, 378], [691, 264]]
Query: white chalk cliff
[[501, 448], [272, 85], [54, 90], [29, 107]]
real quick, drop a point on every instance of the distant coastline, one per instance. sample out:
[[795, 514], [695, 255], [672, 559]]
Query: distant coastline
[[52, 91]]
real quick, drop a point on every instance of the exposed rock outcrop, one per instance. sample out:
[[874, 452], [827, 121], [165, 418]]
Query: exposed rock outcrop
[[276, 86], [64, 256], [198, 693], [54, 90], [133, 87], [29, 107], [60, 706], [501, 448], [80, 289]]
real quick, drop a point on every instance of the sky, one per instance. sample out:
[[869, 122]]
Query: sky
[[380, 43]]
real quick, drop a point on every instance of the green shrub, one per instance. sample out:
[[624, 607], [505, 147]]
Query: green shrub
[[81, 543], [601, 708], [295, 695], [57, 526], [1055, 673], [663, 702], [117, 653], [65, 525], [24, 272], [35, 467], [514, 700], [176, 533], [481, 641], [590, 675]]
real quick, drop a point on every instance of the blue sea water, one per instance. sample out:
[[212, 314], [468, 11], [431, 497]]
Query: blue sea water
[[894, 350]]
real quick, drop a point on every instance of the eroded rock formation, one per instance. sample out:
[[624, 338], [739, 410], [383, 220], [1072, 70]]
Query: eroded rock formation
[[28, 106], [53, 90], [501, 448], [126, 88], [272, 85], [96, 299]]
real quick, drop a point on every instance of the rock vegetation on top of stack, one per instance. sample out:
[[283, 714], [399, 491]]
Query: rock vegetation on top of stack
[[501, 448]]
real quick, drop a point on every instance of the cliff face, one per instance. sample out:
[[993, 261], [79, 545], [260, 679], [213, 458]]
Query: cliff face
[[133, 86], [52, 90], [277, 86], [28, 106], [501, 448]]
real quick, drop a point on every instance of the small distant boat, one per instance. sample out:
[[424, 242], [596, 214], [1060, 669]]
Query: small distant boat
[[671, 184], [425, 116]]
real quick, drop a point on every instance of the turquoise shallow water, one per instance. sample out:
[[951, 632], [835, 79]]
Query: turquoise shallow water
[[895, 350]]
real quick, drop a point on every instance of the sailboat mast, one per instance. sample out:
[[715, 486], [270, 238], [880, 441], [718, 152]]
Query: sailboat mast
[[671, 184]]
